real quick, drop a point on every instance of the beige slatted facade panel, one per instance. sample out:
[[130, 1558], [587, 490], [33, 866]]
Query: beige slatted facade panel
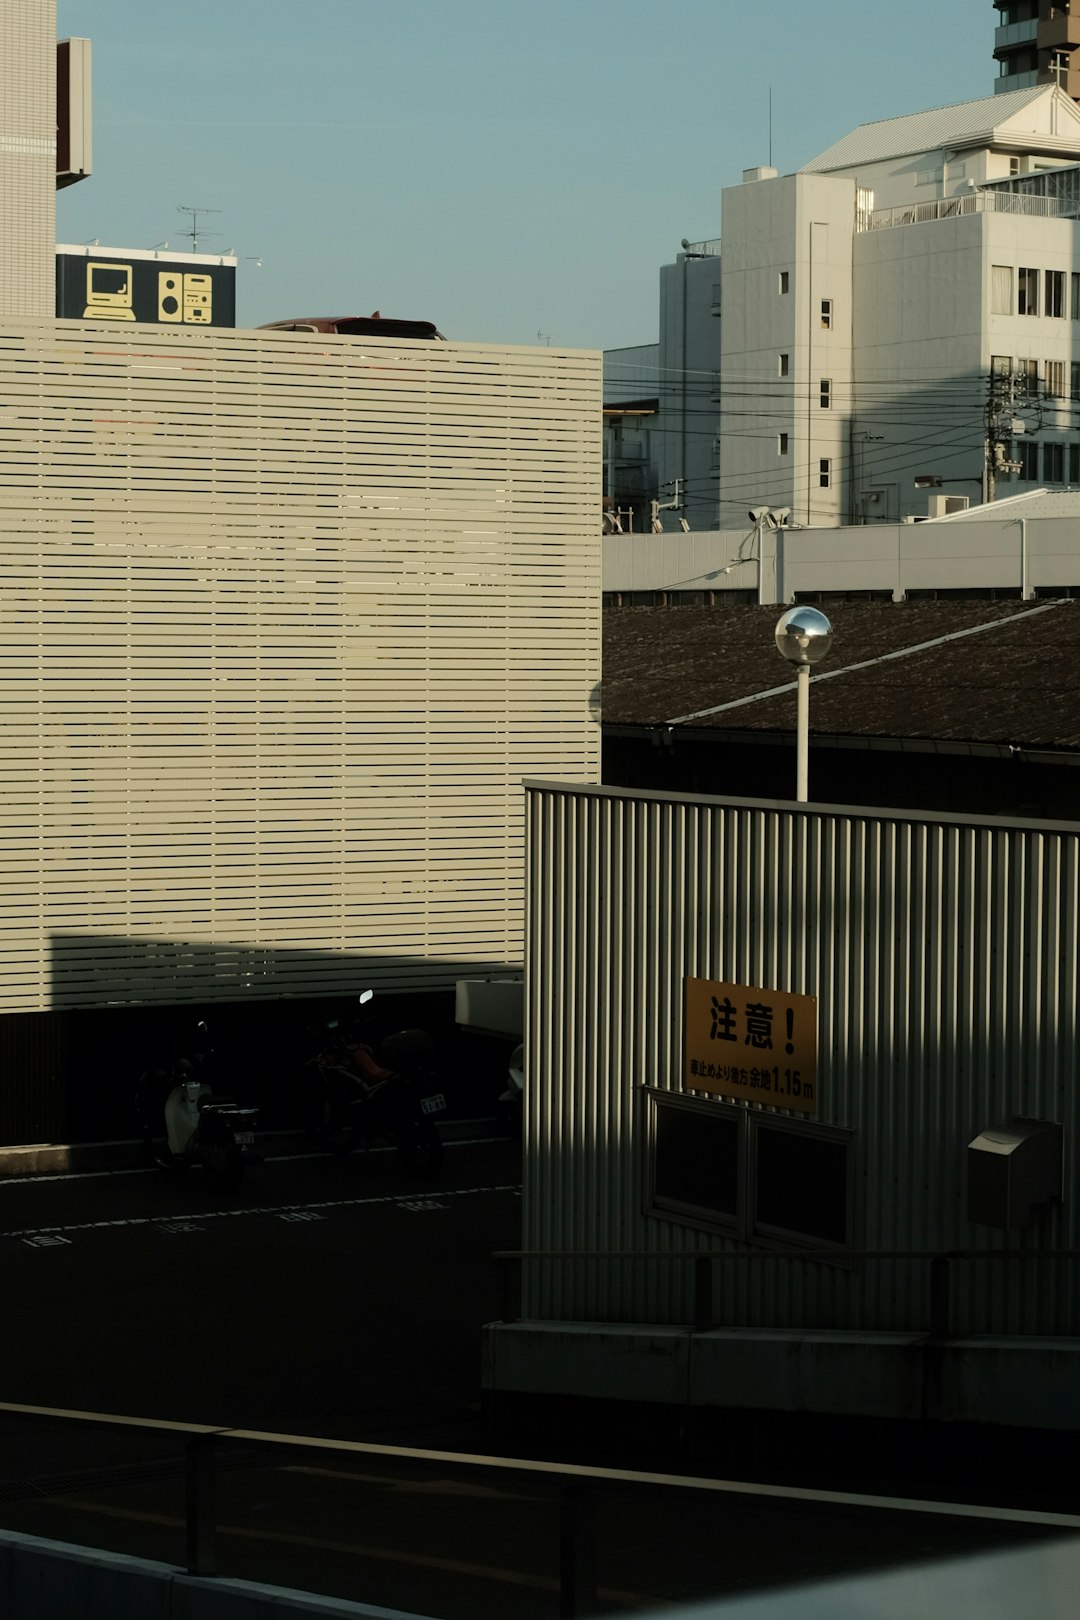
[[284, 622], [27, 159]]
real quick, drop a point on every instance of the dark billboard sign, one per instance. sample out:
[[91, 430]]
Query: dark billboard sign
[[94, 284]]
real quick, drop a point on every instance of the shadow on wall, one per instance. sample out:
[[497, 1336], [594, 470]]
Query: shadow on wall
[[121, 1005]]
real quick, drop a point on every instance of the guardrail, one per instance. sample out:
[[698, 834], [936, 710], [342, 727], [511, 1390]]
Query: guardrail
[[975, 202], [940, 1262], [577, 1487]]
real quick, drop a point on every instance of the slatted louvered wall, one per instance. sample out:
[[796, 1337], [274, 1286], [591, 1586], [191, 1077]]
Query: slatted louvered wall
[[284, 621]]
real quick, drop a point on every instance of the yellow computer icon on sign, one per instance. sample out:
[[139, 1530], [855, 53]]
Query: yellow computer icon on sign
[[108, 292]]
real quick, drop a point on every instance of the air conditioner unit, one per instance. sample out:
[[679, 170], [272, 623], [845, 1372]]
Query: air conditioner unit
[[944, 505]]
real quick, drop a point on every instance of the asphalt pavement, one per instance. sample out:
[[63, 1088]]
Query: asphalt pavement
[[337, 1298], [331, 1296]]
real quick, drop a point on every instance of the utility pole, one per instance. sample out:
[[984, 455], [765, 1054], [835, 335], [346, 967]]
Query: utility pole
[[999, 413], [669, 506]]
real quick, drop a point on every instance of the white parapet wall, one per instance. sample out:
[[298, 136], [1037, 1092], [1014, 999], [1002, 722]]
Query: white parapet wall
[[998, 552], [284, 621], [51, 1580]]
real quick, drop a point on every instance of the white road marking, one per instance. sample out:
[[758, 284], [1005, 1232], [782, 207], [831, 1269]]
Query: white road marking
[[31, 1232]]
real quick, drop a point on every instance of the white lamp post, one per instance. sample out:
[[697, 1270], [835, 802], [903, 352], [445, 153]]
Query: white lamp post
[[804, 636]]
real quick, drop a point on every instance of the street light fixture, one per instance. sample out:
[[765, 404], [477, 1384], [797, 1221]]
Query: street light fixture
[[803, 636]]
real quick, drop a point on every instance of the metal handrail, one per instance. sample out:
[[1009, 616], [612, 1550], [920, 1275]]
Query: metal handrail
[[1029, 205], [577, 1549], [939, 1261]]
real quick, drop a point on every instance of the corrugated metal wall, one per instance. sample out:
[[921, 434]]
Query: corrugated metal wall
[[284, 620], [945, 957]]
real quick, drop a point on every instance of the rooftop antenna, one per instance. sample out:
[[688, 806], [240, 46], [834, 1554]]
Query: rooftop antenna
[[195, 232], [770, 126]]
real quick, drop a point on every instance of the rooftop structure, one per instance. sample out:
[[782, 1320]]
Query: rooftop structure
[[903, 309], [1035, 42]]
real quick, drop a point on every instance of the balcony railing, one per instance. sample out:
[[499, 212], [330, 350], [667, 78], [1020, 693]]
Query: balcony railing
[[975, 202], [571, 1516], [1015, 81], [948, 1311], [1018, 33]]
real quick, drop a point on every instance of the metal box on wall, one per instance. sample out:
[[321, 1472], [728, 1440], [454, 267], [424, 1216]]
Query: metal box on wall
[[1014, 1170]]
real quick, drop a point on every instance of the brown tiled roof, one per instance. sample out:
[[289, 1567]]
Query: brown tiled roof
[[1017, 683]]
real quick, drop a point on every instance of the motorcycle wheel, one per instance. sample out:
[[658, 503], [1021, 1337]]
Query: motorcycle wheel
[[332, 1130], [222, 1165], [339, 1139], [159, 1153], [422, 1156]]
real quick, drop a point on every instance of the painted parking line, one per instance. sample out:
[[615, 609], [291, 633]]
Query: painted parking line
[[309, 1210]]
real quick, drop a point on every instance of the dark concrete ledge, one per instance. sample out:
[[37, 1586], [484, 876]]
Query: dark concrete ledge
[[73, 1158]]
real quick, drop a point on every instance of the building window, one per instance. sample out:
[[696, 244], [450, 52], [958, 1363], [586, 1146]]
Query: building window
[[749, 1174], [1000, 365], [826, 314], [1001, 289], [1055, 293], [1075, 304], [1074, 464], [1074, 379], [826, 394], [1028, 457], [800, 1183], [1027, 378], [785, 282], [1014, 162], [1053, 463], [1054, 384], [781, 444], [784, 364], [695, 1170], [1027, 292], [825, 473]]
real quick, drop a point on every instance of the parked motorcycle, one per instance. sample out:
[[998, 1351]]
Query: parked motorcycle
[[184, 1122], [361, 1091]]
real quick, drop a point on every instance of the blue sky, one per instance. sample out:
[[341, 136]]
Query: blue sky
[[502, 167]]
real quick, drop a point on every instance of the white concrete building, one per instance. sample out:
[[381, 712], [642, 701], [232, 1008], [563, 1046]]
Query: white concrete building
[[901, 314]]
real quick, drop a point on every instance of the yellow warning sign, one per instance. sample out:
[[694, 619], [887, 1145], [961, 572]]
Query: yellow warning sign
[[756, 1045]]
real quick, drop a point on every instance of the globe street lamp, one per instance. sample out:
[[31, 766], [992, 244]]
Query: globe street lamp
[[804, 636]]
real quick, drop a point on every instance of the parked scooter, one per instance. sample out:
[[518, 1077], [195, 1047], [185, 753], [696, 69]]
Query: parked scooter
[[361, 1092], [184, 1122]]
